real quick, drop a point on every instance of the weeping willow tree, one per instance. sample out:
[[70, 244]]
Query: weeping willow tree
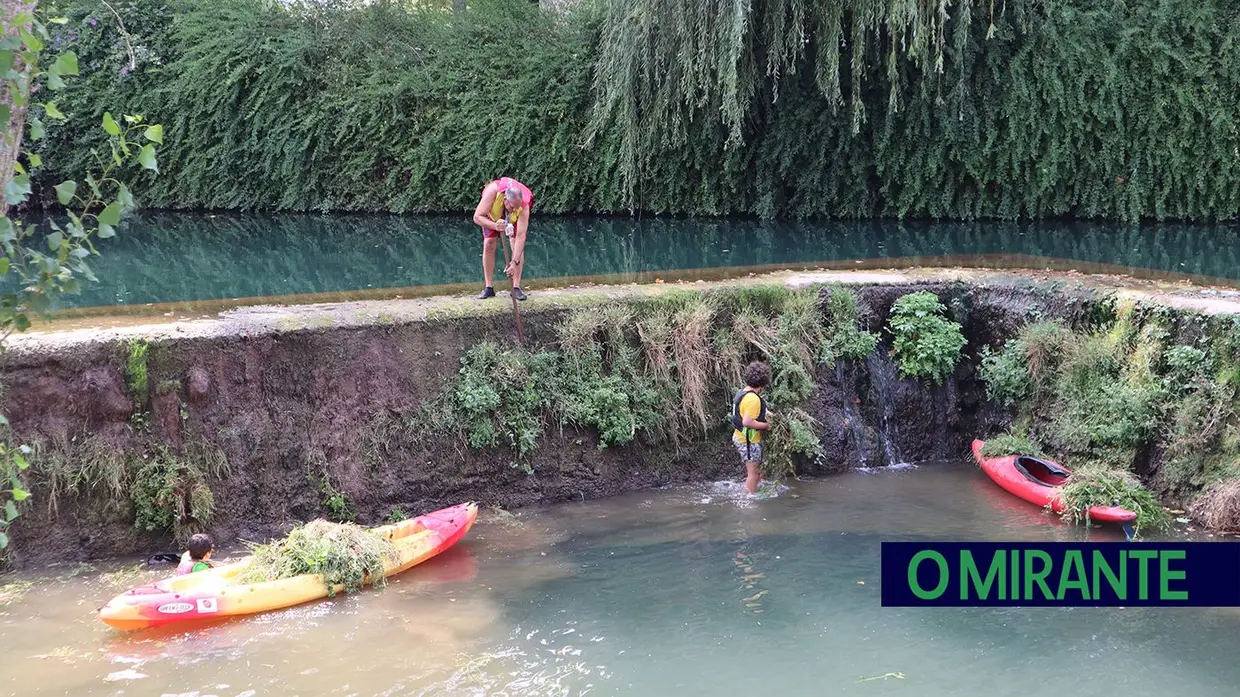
[[664, 63], [964, 110]]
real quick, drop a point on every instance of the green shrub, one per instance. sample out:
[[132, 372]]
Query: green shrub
[[926, 345], [846, 339], [499, 395], [170, 494], [1006, 374]]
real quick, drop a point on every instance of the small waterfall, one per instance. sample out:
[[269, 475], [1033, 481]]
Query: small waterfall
[[883, 378], [854, 423]]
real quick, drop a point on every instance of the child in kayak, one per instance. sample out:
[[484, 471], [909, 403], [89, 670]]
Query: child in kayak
[[749, 419], [198, 556]]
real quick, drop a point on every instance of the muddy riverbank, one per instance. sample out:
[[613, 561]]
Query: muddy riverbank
[[250, 422]]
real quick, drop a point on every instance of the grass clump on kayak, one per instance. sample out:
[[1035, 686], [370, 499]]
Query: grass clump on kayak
[[1098, 485], [1011, 444], [344, 553]]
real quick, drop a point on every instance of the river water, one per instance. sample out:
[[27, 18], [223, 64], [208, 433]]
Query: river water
[[693, 590], [183, 259]]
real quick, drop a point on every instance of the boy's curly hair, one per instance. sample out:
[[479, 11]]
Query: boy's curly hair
[[199, 545], [757, 374]]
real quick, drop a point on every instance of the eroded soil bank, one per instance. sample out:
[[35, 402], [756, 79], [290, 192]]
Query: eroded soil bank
[[250, 423]]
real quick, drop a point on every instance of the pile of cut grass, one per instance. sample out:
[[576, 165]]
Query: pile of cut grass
[[344, 553], [1098, 485], [1010, 444]]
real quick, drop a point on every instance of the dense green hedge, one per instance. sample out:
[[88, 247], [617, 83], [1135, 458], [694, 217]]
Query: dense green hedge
[[1086, 108]]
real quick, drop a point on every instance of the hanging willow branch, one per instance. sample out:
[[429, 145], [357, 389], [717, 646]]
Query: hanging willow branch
[[662, 62]]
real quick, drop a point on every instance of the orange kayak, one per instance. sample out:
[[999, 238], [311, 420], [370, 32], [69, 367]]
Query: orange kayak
[[1040, 482], [216, 593]]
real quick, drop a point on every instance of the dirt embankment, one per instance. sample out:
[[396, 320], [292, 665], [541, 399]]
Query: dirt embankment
[[287, 417]]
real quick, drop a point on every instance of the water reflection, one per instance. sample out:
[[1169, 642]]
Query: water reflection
[[177, 258]]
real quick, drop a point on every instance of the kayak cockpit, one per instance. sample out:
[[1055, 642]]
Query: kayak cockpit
[[1041, 471]]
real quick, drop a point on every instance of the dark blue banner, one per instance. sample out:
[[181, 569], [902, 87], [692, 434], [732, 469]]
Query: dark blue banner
[[1107, 574]]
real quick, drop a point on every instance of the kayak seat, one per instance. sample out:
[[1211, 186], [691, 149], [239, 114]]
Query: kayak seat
[[1041, 472]]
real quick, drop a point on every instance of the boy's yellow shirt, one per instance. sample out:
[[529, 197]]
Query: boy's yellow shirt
[[751, 406]]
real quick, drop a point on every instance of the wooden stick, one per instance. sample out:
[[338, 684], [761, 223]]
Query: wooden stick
[[515, 312]]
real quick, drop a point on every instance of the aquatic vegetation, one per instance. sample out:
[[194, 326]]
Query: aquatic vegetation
[[926, 344], [344, 553]]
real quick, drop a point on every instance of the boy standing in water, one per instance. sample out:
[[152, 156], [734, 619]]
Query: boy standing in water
[[749, 416]]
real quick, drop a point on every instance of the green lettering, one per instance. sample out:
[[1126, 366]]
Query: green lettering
[[1118, 584], [1038, 577], [969, 575], [1015, 575], [1145, 555], [1167, 574], [1073, 562], [912, 574]]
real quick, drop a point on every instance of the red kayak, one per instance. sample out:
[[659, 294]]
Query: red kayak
[[1038, 481]]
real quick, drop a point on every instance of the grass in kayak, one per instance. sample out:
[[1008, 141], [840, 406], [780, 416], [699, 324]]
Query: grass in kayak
[[1009, 444], [1098, 485], [344, 553]]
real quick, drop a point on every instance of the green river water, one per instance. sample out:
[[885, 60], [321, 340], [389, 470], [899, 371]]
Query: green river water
[[686, 591], [182, 258]]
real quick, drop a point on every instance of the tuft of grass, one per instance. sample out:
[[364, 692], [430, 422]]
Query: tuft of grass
[[136, 374], [166, 386], [728, 357], [1218, 508], [343, 553], [1011, 444], [691, 342], [1043, 346], [1095, 484], [78, 466]]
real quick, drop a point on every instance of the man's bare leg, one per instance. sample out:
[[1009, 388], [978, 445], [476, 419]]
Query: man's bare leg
[[488, 260]]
